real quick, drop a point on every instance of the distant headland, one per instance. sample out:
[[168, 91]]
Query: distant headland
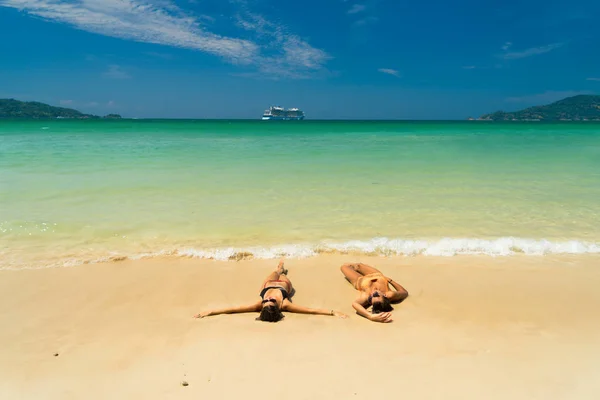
[[576, 108], [15, 109]]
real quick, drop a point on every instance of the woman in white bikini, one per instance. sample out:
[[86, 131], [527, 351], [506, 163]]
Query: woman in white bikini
[[374, 290], [275, 295]]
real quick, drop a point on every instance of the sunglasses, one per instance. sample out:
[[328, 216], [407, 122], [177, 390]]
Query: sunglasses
[[269, 301]]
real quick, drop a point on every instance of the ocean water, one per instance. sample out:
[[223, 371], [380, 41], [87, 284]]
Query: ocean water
[[74, 192]]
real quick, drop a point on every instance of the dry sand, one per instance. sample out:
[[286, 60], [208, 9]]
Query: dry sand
[[473, 328]]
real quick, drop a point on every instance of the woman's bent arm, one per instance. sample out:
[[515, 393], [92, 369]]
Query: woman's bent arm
[[362, 311]]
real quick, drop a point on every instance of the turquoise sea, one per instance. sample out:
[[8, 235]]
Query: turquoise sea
[[75, 192]]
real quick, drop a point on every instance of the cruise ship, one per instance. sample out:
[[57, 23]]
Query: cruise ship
[[281, 114]]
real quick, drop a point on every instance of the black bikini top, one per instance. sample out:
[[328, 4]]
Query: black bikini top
[[283, 291]]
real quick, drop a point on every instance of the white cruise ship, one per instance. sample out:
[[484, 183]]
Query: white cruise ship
[[280, 114]]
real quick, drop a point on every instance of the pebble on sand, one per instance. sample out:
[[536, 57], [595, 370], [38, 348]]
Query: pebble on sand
[[184, 383]]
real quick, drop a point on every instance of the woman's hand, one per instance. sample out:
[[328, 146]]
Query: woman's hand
[[383, 317], [339, 314]]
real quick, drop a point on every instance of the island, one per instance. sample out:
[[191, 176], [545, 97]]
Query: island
[[576, 108], [15, 109]]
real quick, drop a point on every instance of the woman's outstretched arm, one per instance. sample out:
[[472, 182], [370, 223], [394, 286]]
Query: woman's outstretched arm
[[255, 307], [291, 307]]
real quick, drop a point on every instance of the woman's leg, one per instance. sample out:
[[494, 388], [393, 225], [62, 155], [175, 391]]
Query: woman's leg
[[350, 273], [273, 276], [366, 269], [284, 278], [280, 274]]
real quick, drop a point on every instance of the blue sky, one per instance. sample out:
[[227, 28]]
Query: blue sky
[[332, 58]]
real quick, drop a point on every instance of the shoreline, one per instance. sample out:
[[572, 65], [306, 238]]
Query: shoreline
[[472, 327], [375, 247]]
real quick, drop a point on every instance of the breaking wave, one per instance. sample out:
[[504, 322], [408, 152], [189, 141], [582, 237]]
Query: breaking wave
[[506, 246], [400, 247]]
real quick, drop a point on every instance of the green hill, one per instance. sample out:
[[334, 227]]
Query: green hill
[[576, 108], [15, 109]]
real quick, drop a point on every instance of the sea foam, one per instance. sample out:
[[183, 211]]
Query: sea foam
[[401, 247], [447, 247]]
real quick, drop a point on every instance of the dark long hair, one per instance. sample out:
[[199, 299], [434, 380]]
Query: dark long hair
[[270, 313], [382, 306]]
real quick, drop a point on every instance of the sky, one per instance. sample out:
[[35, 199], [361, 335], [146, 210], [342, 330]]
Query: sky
[[334, 59]]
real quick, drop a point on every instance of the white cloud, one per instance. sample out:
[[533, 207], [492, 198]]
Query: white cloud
[[356, 8], [116, 72], [546, 97], [286, 54], [390, 71], [506, 46], [531, 52], [65, 102], [593, 79], [137, 20], [469, 67], [110, 103], [162, 22]]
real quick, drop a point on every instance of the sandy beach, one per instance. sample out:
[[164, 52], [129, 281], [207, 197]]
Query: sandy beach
[[473, 327]]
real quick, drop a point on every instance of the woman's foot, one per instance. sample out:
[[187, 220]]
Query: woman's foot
[[280, 269]]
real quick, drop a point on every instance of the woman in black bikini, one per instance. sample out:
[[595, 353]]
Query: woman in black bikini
[[275, 298]]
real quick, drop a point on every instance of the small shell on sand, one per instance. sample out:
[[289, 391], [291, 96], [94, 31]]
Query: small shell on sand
[[184, 383]]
